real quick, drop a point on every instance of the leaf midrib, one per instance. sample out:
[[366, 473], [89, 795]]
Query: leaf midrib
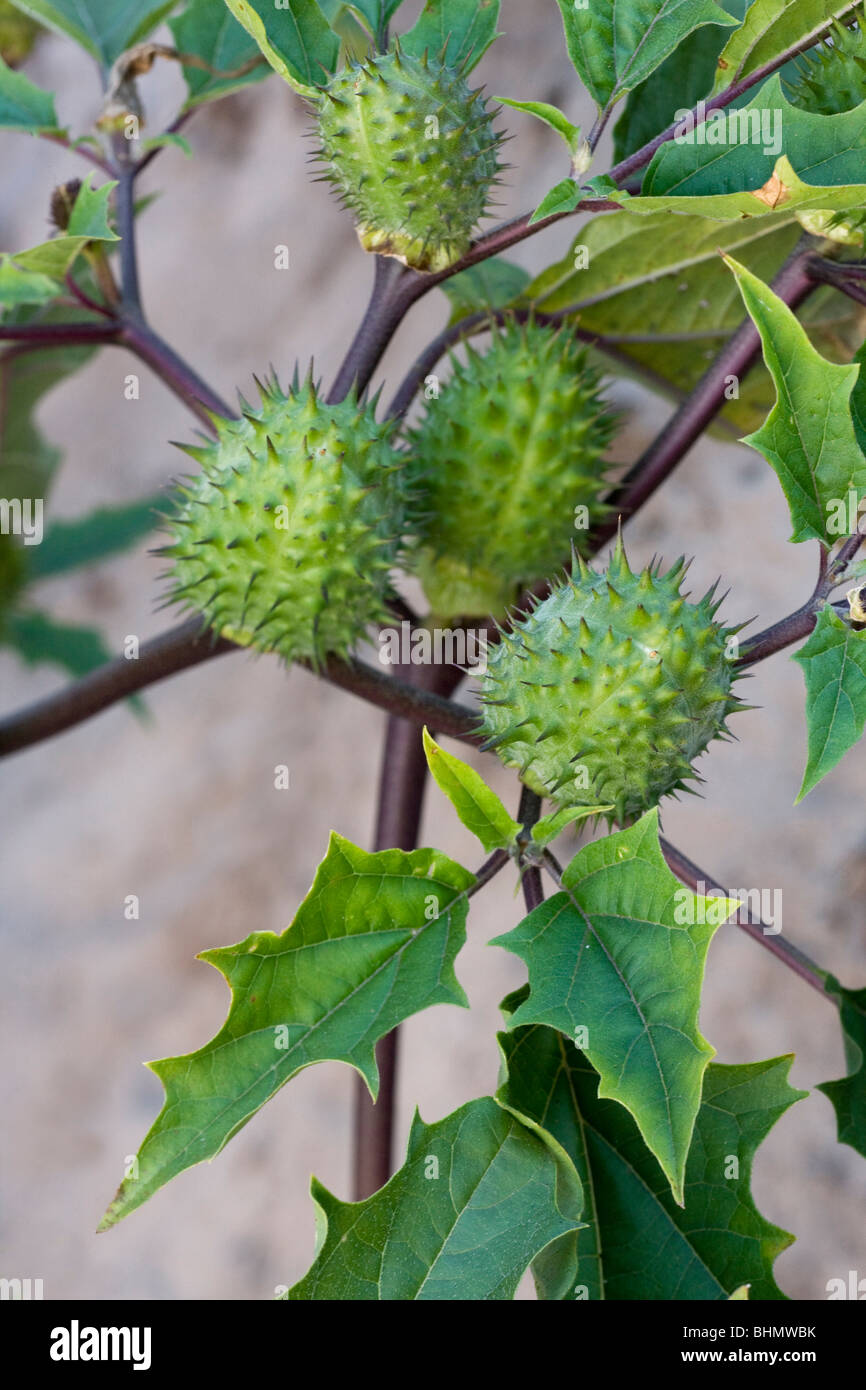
[[637, 1008]]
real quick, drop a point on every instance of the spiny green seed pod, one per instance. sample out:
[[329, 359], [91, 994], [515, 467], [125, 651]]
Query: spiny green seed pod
[[833, 80], [833, 75], [285, 540], [508, 468], [845, 228], [412, 150], [18, 33], [610, 688]]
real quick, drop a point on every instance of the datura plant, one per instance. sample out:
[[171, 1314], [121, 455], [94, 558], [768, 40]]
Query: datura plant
[[715, 261]]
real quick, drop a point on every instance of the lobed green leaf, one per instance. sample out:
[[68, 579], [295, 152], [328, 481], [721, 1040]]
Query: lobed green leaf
[[834, 665], [679, 83], [619, 955], [39, 640], [373, 942], [667, 304], [808, 438], [636, 1243], [480, 1195], [107, 531], [848, 1095]]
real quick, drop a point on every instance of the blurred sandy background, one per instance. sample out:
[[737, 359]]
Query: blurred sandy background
[[184, 814]]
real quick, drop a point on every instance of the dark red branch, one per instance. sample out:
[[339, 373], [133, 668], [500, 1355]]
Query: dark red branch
[[188, 645], [518, 229], [402, 782], [458, 332], [173, 370], [784, 951], [385, 313], [139, 338], [84, 150], [528, 814], [59, 334], [793, 284], [846, 278], [627, 167]]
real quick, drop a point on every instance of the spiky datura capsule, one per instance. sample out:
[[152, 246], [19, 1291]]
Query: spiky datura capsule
[[413, 153], [610, 688], [832, 76], [508, 465], [285, 540], [832, 80]]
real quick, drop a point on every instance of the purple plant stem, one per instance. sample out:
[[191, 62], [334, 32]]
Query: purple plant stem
[[402, 782], [790, 955]]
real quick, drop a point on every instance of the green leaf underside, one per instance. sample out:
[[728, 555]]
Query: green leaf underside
[[39, 640], [848, 1095], [643, 260], [770, 28], [373, 942], [478, 807], [106, 28], [23, 105], [667, 304], [467, 27], [637, 1244], [480, 1195], [490, 285], [207, 29], [616, 47], [607, 955], [808, 438], [296, 39], [834, 666]]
